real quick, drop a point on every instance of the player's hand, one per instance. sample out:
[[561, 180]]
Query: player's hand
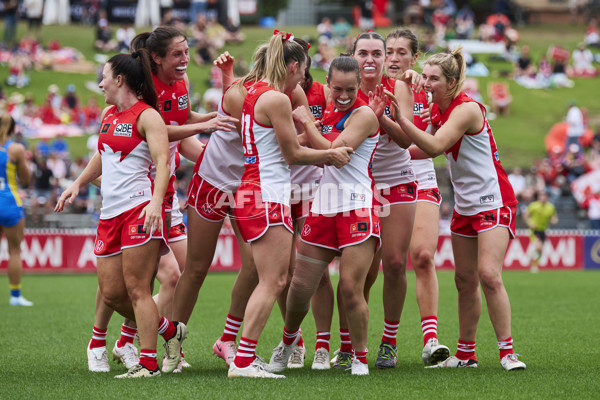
[[224, 62], [68, 195], [218, 123], [152, 215], [377, 101], [339, 156]]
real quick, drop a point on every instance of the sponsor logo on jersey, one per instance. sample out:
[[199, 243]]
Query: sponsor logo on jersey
[[207, 208], [358, 197], [406, 172], [250, 159], [325, 129], [136, 230], [486, 199], [388, 112], [139, 193], [168, 105], [306, 230], [417, 108], [182, 101], [99, 247], [317, 111], [105, 128], [125, 130], [359, 227]]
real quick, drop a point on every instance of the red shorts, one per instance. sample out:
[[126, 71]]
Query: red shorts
[[431, 195], [124, 231], [209, 202], [341, 230], [254, 218], [471, 225], [177, 233], [403, 193], [300, 209]]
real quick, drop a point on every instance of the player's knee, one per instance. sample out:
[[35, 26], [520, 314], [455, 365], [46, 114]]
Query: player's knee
[[422, 259]]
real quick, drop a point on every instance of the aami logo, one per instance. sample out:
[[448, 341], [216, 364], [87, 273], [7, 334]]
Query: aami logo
[[317, 111], [182, 101], [406, 172], [325, 129], [358, 227], [486, 199], [168, 105], [124, 130], [250, 159], [105, 128]]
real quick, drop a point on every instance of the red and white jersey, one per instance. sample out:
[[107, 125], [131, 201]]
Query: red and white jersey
[[480, 183], [350, 187], [424, 169], [173, 107], [222, 161], [265, 169], [305, 178], [391, 164], [126, 161]]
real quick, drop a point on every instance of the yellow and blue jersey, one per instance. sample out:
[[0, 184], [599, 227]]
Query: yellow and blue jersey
[[11, 210]]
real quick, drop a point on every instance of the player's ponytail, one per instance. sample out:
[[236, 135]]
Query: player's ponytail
[[453, 68], [7, 127]]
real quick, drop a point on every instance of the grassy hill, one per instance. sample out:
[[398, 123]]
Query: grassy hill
[[519, 135]]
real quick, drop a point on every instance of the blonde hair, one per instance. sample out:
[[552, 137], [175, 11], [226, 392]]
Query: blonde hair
[[453, 66], [258, 68], [280, 53], [7, 127]]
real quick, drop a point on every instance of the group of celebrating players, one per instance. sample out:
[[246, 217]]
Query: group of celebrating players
[[345, 166]]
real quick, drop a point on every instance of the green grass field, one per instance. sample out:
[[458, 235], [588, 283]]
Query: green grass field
[[519, 135], [555, 325]]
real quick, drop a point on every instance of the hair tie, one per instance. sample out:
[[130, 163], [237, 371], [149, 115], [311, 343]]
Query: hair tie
[[135, 54], [308, 46], [284, 35]]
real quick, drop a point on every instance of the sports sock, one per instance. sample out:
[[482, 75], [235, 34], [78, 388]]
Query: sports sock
[[465, 350], [98, 338], [361, 356], [148, 359], [166, 328], [245, 352], [505, 346], [390, 330], [429, 327], [15, 290], [127, 335], [323, 340], [345, 342], [232, 327], [289, 336]]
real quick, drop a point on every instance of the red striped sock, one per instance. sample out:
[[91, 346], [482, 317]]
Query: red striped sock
[[98, 338], [245, 352], [300, 341], [505, 346], [127, 335], [166, 328], [323, 340], [232, 327], [289, 336], [345, 342], [361, 356], [429, 327], [148, 359], [465, 350], [390, 330]]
